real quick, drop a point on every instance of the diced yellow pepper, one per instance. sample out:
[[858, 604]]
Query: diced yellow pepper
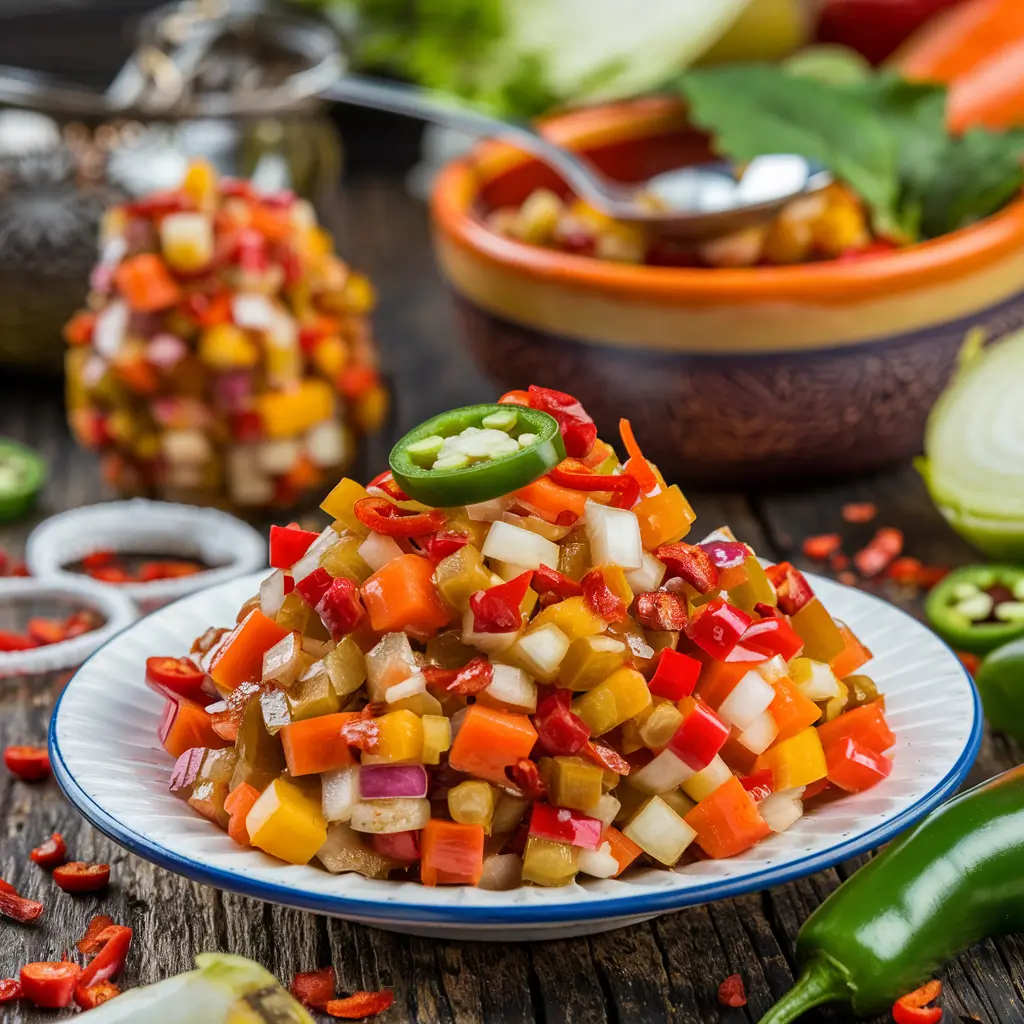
[[283, 361], [631, 741], [622, 695], [340, 502], [343, 559], [757, 589], [186, 241], [226, 347], [294, 613], [287, 413], [472, 803], [546, 862], [664, 518], [818, 630], [401, 738], [589, 661], [437, 737], [346, 665], [371, 408], [460, 575], [573, 783], [200, 184], [572, 617], [330, 357], [661, 725], [285, 823], [360, 296], [798, 761]]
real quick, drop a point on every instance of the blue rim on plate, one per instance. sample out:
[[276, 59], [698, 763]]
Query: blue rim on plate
[[390, 912]]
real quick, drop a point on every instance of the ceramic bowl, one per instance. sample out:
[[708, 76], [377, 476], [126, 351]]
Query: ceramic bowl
[[754, 374]]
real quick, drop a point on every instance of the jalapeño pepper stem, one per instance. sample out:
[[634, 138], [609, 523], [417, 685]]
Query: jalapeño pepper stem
[[821, 981]]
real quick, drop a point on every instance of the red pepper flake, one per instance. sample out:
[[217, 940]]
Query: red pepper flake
[[93, 940], [52, 853], [17, 908], [363, 734], [10, 989], [731, 992], [550, 581], [93, 996], [361, 1004], [819, 548], [29, 763], [859, 511], [691, 563], [607, 757], [886, 544], [601, 599], [474, 676], [913, 1008], [526, 775], [559, 730], [660, 610], [314, 988], [77, 876]]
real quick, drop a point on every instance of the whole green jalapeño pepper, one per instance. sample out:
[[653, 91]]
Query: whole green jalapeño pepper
[[1000, 681], [979, 607], [22, 475], [952, 880], [476, 453]]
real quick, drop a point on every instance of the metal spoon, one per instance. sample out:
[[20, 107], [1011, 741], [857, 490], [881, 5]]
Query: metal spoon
[[698, 201]]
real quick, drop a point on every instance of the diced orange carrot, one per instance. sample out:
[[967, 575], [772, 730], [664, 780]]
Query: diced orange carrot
[[240, 658], [146, 284], [490, 741], [315, 745], [451, 853], [727, 822], [718, 679], [623, 849], [792, 711], [238, 804], [550, 500], [185, 724], [851, 657], [401, 597], [866, 725]]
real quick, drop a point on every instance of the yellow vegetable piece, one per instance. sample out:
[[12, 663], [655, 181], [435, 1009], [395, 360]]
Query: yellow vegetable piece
[[661, 725], [330, 357], [573, 783], [200, 184], [285, 823], [343, 559], [546, 862], [622, 695], [294, 613], [460, 575], [401, 738], [287, 413], [589, 661], [226, 347], [798, 761], [572, 617], [818, 630], [664, 518], [339, 503], [472, 803], [757, 589], [437, 737]]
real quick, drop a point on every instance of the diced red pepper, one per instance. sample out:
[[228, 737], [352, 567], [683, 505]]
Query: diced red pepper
[[526, 775], [313, 586], [854, 767], [716, 627], [499, 610], [565, 826], [29, 763], [859, 511], [791, 587], [550, 581], [180, 676], [731, 992], [759, 785], [601, 599], [773, 636], [560, 731], [474, 676], [886, 544], [77, 876], [701, 736], [822, 547], [340, 609], [913, 1008], [690, 563], [578, 430], [660, 610], [109, 961], [15, 641], [443, 543], [288, 544], [675, 675], [52, 853], [866, 725], [728, 821], [361, 1004], [400, 846], [386, 482], [576, 476], [18, 908], [386, 518], [606, 757], [50, 986], [314, 989]]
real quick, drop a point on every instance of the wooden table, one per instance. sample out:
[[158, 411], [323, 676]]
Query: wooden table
[[667, 970]]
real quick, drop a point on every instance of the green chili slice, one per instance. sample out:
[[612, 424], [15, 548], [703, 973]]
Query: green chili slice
[[455, 459], [978, 608], [1000, 681], [22, 475]]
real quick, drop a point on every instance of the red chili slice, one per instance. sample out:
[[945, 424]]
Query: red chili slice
[[913, 1008], [176, 675], [10, 989], [386, 482], [19, 909], [109, 961], [15, 641], [314, 988], [50, 985], [363, 734], [526, 775], [45, 631], [361, 1004], [443, 543], [575, 475], [601, 599], [498, 610], [578, 430], [551, 581], [384, 517], [77, 876], [607, 757], [731, 992], [690, 563], [791, 587], [660, 610], [28, 763], [559, 730], [52, 853], [96, 995], [92, 941]]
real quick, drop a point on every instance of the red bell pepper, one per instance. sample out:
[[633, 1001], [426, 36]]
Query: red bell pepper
[[474, 676], [675, 675], [717, 627], [550, 581], [386, 518], [443, 543], [340, 608], [51, 985], [773, 636], [386, 482], [600, 598], [288, 544], [606, 757], [526, 775], [854, 767], [660, 610], [451, 853], [312, 587], [690, 563], [866, 725], [701, 736], [565, 826], [578, 430], [179, 676], [727, 822], [791, 587], [52, 853], [499, 610], [560, 731], [759, 785]]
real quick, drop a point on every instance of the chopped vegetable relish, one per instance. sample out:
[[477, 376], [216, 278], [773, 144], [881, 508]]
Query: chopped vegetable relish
[[545, 684]]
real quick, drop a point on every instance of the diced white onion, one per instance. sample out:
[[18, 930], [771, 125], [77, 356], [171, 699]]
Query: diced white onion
[[648, 577], [782, 810], [508, 543], [542, 650], [388, 816], [110, 329], [377, 550], [502, 871], [511, 687], [327, 444], [772, 670], [277, 457], [272, 593], [409, 687], [664, 772], [614, 535], [488, 511], [760, 734], [391, 662], [217, 708], [705, 782], [821, 684], [253, 312], [748, 699], [310, 561], [598, 863], [660, 832], [605, 809], [340, 793]]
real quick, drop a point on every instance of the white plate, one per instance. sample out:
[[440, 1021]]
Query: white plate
[[107, 759]]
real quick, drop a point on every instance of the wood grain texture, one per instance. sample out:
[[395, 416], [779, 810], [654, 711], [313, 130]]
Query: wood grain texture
[[667, 970]]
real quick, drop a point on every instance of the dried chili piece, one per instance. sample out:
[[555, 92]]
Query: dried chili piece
[[361, 1004], [109, 961], [314, 988], [560, 731], [551, 581], [363, 734], [575, 475], [474, 676], [443, 543], [606, 757], [18, 908], [690, 563], [77, 876], [601, 599], [732, 992], [93, 941], [386, 518], [10, 989], [52, 853], [579, 431], [526, 775], [880, 551], [791, 587], [95, 995], [660, 610], [386, 482], [499, 610]]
